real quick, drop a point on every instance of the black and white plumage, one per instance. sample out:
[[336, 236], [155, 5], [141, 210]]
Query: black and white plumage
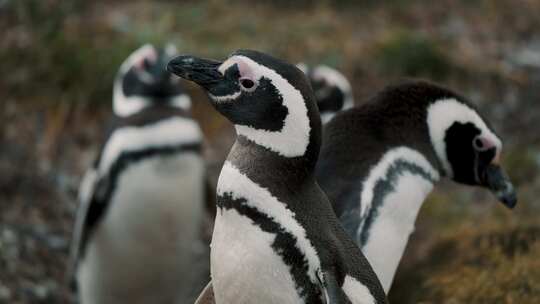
[[332, 90], [141, 203], [142, 82], [381, 159], [276, 238]]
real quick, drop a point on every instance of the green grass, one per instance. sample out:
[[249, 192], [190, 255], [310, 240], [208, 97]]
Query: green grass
[[411, 54]]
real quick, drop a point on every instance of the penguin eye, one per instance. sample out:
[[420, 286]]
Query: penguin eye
[[477, 143], [481, 144], [247, 84], [145, 64]]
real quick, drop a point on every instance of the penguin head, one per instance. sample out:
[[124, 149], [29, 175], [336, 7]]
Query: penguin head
[[467, 147], [143, 80], [269, 101], [332, 90]]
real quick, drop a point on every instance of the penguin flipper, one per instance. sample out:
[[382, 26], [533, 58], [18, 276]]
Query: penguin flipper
[[207, 295], [333, 293], [91, 208]]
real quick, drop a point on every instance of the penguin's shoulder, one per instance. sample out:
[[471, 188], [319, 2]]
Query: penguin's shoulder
[[390, 115]]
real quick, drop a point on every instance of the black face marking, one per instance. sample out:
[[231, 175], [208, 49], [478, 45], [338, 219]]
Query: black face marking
[[385, 186], [107, 185], [468, 164], [261, 109], [284, 245], [229, 85], [330, 99], [162, 85]]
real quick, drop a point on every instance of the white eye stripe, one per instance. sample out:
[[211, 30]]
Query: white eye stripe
[[445, 112], [292, 140], [125, 106], [224, 98], [332, 77], [146, 51], [226, 65]]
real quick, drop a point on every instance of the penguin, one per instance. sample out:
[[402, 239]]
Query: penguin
[[332, 90], [276, 238], [136, 237], [381, 159]]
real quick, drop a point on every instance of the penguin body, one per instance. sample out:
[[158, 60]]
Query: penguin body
[[276, 238], [137, 231], [381, 159]]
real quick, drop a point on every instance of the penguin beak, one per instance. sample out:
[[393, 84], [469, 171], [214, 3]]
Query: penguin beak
[[500, 185], [203, 72]]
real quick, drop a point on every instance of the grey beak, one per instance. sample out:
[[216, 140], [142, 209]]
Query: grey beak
[[500, 185], [203, 72]]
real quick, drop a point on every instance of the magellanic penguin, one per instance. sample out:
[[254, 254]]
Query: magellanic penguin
[[141, 203], [333, 92], [380, 160], [276, 238]]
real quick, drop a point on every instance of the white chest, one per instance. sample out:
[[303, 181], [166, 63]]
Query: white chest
[[389, 233], [244, 266], [159, 197], [392, 196], [148, 240]]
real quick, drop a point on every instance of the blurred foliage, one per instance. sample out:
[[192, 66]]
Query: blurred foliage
[[488, 263], [409, 54], [497, 267], [521, 163], [52, 55]]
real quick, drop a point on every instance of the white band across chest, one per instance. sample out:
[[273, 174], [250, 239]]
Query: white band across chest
[[168, 132], [232, 181]]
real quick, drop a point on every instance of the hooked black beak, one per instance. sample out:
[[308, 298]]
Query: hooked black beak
[[203, 72], [500, 185]]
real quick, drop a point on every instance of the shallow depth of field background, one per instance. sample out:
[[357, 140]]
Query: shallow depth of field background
[[58, 59]]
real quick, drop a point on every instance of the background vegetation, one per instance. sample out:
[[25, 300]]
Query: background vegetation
[[58, 59]]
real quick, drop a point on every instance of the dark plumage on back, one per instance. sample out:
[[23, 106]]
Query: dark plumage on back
[[380, 159]]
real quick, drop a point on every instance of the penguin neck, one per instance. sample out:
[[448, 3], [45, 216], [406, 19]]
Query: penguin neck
[[153, 131], [285, 154], [392, 194], [270, 168], [124, 106]]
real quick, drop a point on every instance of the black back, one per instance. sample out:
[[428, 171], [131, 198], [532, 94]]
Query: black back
[[356, 138]]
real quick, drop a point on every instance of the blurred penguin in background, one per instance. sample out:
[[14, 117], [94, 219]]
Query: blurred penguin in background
[[137, 232], [333, 92]]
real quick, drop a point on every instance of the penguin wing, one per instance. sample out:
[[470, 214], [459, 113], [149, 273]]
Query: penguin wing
[[333, 293], [207, 295], [92, 204]]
